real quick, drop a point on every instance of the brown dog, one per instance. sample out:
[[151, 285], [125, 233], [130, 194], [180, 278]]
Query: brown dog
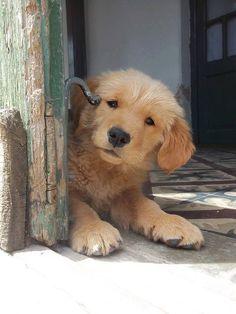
[[111, 149]]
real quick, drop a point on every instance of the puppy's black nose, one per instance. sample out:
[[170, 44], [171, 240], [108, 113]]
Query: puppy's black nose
[[117, 137]]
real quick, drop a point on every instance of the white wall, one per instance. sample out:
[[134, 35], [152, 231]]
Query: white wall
[[143, 34]]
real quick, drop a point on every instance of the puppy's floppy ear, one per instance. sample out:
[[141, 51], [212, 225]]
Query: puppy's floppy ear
[[78, 101], [177, 147]]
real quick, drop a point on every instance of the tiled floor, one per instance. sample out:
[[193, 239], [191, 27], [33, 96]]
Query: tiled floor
[[204, 190]]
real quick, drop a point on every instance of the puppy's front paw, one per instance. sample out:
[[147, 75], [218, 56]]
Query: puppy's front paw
[[174, 231], [99, 238]]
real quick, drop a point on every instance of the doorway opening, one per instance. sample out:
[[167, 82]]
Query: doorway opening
[[213, 55], [191, 47], [98, 41]]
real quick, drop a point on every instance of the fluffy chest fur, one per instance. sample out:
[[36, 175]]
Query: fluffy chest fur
[[97, 181]]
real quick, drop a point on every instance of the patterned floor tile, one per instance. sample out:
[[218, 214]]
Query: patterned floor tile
[[228, 164], [203, 191], [192, 164], [213, 188], [189, 176], [207, 202], [218, 157], [174, 195], [193, 205], [225, 201], [171, 195], [195, 165], [164, 202], [226, 191]]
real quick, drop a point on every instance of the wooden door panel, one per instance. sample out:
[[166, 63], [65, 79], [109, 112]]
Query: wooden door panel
[[220, 100], [215, 75]]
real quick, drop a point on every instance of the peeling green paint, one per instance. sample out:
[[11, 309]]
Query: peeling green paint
[[54, 91], [22, 87], [13, 56]]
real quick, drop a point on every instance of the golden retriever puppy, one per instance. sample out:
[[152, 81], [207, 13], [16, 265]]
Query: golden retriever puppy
[[111, 148]]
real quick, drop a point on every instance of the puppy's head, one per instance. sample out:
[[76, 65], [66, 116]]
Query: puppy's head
[[137, 119]]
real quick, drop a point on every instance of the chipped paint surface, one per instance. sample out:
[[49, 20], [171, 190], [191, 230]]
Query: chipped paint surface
[[60, 112], [51, 156], [13, 56], [32, 74], [34, 78], [22, 87]]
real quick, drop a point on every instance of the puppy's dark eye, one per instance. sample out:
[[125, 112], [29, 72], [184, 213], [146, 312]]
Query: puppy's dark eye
[[149, 121], [112, 103]]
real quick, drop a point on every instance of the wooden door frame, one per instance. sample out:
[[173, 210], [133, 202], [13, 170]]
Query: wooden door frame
[[194, 69], [76, 38], [49, 222], [33, 79], [198, 51]]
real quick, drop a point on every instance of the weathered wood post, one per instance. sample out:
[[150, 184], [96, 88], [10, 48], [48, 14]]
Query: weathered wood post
[[32, 81], [13, 180]]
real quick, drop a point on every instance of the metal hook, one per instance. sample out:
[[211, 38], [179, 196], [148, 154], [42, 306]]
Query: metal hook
[[92, 99]]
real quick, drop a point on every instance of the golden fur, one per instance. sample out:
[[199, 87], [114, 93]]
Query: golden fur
[[107, 179]]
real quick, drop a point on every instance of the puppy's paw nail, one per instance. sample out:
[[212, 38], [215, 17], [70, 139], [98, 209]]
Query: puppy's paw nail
[[188, 246], [83, 250], [112, 248], [192, 246], [173, 242]]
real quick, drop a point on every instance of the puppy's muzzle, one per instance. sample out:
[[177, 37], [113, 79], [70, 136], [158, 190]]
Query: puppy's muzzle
[[118, 137]]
